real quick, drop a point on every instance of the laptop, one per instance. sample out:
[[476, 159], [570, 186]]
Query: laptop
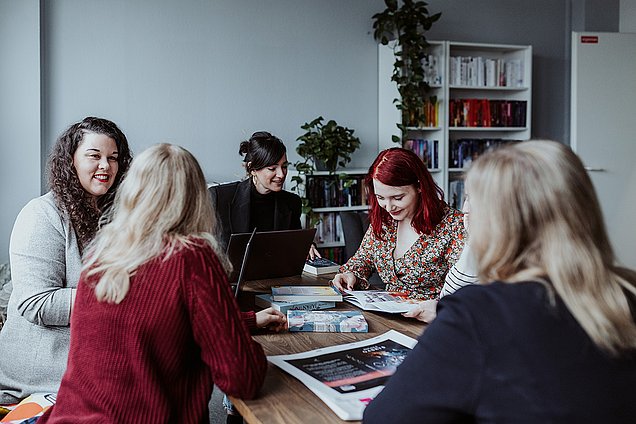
[[268, 254]]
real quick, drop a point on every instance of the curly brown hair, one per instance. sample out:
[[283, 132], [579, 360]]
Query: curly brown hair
[[67, 190]]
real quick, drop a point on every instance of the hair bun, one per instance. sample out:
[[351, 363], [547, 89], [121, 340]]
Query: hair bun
[[261, 134], [244, 147]]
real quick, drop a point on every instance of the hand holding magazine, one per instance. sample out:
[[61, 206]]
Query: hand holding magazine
[[347, 377], [380, 301]]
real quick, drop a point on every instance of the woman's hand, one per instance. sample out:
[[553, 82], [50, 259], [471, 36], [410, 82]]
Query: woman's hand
[[313, 252], [272, 319], [344, 281], [425, 311]]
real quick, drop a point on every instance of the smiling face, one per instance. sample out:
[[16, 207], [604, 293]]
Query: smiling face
[[400, 202], [95, 161], [271, 178]]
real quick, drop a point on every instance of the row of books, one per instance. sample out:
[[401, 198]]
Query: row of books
[[329, 228], [432, 67], [487, 113], [427, 150], [335, 254], [427, 115], [462, 151], [325, 191], [469, 71]]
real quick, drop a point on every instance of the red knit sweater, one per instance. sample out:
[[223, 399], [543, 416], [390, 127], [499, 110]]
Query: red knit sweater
[[155, 356]]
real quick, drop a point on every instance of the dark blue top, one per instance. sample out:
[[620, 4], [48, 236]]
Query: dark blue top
[[502, 353]]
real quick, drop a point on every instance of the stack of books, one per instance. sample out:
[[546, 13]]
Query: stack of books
[[309, 298], [321, 266]]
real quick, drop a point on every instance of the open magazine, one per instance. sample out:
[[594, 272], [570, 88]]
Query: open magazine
[[347, 377], [32, 406], [380, 301]]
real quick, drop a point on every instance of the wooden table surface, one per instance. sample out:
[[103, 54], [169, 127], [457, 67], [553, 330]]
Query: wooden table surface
[[285, 400]]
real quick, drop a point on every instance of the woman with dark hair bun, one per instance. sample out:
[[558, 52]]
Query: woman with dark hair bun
[[414, 237], [49, 236], [258, 201]]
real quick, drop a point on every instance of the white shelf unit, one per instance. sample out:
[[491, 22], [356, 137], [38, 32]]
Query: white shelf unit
[[332, 211], [456, 85], [389, 115]]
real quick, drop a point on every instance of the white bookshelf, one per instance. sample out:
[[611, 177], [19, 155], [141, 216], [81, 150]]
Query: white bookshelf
[[474, 84]]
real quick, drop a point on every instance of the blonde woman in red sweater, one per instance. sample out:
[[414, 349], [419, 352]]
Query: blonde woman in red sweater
[[155, 324]]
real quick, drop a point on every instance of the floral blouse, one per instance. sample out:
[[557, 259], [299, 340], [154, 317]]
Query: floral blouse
[[422, 269]]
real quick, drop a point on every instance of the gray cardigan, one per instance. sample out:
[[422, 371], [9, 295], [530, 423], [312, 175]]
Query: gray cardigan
[[45, 266]]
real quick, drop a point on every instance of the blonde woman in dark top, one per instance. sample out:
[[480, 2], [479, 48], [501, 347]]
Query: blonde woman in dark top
[[552, 338]]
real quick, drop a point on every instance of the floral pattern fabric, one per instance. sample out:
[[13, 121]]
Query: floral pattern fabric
[[421, 271]]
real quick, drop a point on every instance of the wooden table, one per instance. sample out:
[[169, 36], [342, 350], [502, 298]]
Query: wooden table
[[285, 400]]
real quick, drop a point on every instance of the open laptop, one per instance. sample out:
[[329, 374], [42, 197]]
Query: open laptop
[[268, 254]]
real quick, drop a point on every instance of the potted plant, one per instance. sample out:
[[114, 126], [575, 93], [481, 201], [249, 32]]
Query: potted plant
[[405, 26], [323, 146]]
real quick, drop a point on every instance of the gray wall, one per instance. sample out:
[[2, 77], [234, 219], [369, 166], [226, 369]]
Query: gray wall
[[19, 111], [207, 73]]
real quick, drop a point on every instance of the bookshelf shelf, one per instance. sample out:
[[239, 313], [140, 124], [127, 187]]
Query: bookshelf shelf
[[329, 196], [494, 79], [423, 128], [491, 129], [486, 88]]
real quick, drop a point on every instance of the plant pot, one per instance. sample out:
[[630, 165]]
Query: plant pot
[[320, 165]]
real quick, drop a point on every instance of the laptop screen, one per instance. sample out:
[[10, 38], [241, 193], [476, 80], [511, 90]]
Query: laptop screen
[[271, 254]]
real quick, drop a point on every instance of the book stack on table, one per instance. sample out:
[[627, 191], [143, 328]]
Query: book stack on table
[[284, 298], [320, 266]]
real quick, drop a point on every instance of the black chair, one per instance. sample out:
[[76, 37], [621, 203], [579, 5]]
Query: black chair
[[354, 226]]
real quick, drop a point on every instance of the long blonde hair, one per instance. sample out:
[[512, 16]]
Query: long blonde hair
[[535, 215], [161, 204]]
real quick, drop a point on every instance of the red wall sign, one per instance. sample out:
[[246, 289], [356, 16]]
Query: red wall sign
[[589, 39]]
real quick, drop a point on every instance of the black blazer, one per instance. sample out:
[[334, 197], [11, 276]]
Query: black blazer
[[231, 202]]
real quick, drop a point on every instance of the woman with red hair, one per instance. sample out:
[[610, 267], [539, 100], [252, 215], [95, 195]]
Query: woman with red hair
[[414, 237]]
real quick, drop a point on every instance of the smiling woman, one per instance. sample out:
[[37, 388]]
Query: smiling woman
[[95, 162], [49, 235], [258, 201]]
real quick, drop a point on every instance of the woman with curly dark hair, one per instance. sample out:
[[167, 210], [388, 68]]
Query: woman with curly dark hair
[[86, 167]]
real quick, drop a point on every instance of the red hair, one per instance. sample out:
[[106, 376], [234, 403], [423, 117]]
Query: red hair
[[399, 167]]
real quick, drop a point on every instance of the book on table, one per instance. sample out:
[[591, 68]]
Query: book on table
[[266, 300], [380, 301], [305, 293], [347, 377], [327, 321], [320, 266]]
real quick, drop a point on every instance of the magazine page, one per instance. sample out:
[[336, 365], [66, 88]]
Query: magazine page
[[347, 377], [380, 301]]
